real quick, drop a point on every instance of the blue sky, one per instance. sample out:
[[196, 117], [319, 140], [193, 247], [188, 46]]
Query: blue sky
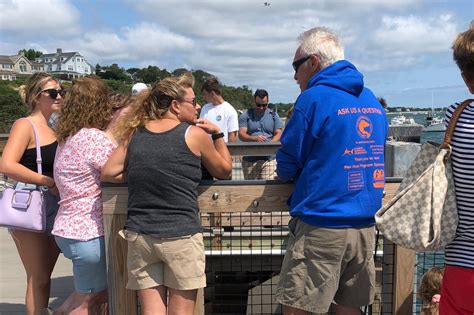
[[401, 46]]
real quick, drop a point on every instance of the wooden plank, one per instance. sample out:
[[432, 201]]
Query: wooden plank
[[242, 198], [253, 148], [215, 199], [404, 271], [199, 308], [245, 219], [226, 198], [121, 300]]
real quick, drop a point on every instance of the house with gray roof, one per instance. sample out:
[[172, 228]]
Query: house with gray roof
[[13, 67], [69, 65]]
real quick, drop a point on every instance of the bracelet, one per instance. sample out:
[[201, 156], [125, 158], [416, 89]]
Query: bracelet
[[217, 136]]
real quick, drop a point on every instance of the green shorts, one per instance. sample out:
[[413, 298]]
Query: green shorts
[[326, 265]]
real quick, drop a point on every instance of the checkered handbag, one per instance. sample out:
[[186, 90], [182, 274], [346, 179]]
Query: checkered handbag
[[423, 214]]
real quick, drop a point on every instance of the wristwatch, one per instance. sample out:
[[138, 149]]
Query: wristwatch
[[217, 136]]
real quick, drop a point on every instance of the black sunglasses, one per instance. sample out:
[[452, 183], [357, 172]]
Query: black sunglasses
[[192, 102], [261, 105], [53, 93], [297, 63]]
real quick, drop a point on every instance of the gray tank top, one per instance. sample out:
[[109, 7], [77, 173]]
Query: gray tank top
[[163, 176]]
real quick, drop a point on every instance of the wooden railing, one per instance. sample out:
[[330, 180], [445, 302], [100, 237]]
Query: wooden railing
[[217, 197]]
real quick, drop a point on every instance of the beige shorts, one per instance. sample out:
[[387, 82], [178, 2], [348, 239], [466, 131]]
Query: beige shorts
[[177, 263], [324, 266]]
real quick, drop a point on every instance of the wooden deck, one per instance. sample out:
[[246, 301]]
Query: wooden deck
[[13, 279]]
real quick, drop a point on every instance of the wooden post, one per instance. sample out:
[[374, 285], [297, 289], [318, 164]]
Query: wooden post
[[121, 300], [404, 271]]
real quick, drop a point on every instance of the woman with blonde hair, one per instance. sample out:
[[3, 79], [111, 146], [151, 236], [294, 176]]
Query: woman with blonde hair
[[163, 145], [38, 251], [84, 147]]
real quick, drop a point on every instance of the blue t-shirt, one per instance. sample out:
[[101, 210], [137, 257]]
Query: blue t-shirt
[[256, 125]]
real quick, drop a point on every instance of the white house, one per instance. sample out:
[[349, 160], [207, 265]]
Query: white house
[[12, 67], [70, 64]]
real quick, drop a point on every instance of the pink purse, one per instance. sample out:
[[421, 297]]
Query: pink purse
[[20, 207]]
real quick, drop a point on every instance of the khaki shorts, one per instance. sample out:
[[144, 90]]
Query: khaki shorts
[[324, 266], [177, 263]]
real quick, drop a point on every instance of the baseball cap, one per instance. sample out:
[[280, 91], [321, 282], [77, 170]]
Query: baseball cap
[[138, 87]]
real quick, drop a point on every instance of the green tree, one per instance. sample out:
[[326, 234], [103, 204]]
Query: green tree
[[31, 54], [151, 74], [11, 106], [113, 73]]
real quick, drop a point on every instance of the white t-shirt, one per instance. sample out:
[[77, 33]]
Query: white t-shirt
[[223, 115]]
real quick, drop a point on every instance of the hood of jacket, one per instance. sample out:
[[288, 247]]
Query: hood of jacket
[[341, 75]]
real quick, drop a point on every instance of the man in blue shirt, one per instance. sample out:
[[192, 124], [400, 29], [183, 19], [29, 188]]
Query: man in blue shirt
[[333, 149], [259, 124]]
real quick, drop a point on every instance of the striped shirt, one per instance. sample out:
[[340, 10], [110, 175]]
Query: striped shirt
[[460, 252]]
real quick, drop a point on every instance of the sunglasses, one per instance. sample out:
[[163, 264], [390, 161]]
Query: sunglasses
[[261, 105], [53, 93], [192, 102], [297, 63]]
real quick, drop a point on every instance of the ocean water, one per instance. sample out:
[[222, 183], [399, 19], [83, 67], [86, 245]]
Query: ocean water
[[420, 118]]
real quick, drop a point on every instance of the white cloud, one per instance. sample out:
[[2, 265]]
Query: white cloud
[[409, 35], [243, 42], [145, 41], [31, 18]]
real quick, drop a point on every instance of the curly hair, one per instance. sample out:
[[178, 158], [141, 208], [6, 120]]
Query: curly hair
[[152, 104], [431, 284], [86, 105], [30, 92]]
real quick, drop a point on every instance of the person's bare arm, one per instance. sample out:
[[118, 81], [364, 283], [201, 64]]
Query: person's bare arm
[[232, 136], [244, 136], [17, 143], [277, 135], [214, 153], [114, 171]]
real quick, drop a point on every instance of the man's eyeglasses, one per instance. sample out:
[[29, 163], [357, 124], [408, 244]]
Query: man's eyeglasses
[[53, 93], [192, 102], [261, 105], [297, 63]]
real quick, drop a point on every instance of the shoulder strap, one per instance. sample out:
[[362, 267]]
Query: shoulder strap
[[452, 122], [249, 111], [274, 120], [38, 148]]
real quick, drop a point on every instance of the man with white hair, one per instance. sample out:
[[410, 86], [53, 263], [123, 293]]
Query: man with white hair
[[333, 149]]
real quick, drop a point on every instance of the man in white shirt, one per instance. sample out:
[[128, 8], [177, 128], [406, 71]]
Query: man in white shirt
[[218, 111]]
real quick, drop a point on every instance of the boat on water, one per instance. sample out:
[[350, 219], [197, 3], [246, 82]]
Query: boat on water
[[402, 120], [434, 124]]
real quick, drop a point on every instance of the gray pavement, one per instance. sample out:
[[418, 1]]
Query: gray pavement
[[13, 279]]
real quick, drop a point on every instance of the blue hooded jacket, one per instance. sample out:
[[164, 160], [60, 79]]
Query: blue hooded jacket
[[333, 148]]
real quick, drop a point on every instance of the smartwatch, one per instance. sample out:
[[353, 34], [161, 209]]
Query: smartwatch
[[217, 136]]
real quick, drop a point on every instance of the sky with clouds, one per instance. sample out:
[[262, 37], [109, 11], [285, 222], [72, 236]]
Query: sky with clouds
[[403, 47]]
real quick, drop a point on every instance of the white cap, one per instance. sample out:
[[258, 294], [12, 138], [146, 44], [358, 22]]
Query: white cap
[[138, 87]]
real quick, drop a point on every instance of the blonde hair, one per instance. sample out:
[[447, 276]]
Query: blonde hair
[[29, 93], [86, 105], [324, 43], [152, 104], [463, 52]]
